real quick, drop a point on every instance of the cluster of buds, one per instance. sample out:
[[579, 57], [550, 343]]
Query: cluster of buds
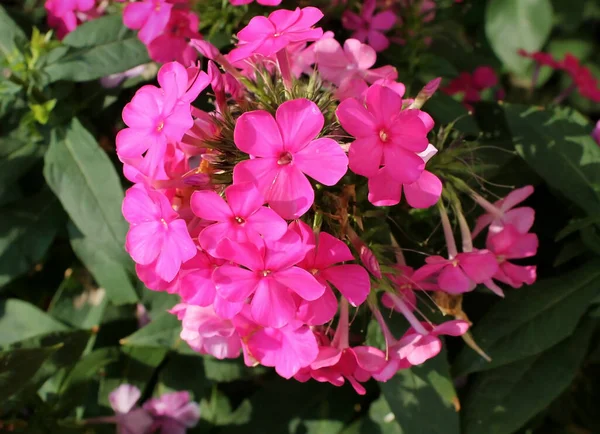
[[250, 211]]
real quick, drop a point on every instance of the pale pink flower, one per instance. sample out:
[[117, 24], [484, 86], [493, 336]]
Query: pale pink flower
[[270, 276], [285, 149], [353, 61], [242, 218], [157, 235], [460, 274], [287, 349], [173, 412], [150, 17], [130, 419], [173, 43], [503, 212], [370, 27], [267, 36], [384, 133], [507, 244]]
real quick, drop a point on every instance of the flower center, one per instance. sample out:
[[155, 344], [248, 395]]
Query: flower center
[[163, 221], [160, 125], [383, 135], [265, 273], [239, 220], [314, 271], [285, 158], [157, 6]]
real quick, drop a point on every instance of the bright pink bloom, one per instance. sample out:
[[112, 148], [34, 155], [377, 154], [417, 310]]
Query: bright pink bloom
[[503, 212], [350, 279], [287, 349], [172, 44], [150, 17], [157, 235], [260, 2], [267, 36], [206, 333], [471, 85], [63, 14], [130, 419], [173, 412], [507, 244], [242, 218], [384, 133], [460, 274], [423, 193], [370, 27], [270, 276], [338, 65], [285, 150]]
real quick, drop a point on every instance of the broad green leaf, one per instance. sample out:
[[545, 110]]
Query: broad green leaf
[[27, 229], [511, 25], [20, 320], [11, 37], [109, 272], [557, 144], [219, 412], [530, 321], [569, 13], [228, 370], [444, 109], [16, 157], [384, 419], [182, 372], [17, 367], [423, 398], [98, 48], [161, 332], [504, 399]]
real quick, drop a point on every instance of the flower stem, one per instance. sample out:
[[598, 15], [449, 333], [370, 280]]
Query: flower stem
[[340, 340], [564, 94], [450, 242], [410, 317]]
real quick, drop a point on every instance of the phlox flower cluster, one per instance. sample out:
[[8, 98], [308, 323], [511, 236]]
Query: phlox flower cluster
[[248, 212], [472, 85], [65, 15]]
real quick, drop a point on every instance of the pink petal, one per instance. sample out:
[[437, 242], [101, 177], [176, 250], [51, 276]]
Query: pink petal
[[515, 197], [144, 242], [366, 155], [156, 22], [268, 223], [272, 304], [197, 288], [260, 171], [428, 347], [384, 190], [235, 284], [210, 206], [351, 280], [257, 29], [212, 235], [331, 251], [301, 282], [425, 192], [323, 160], [256, 133], [138, 207], [403, 166], [300, 121], [378, 41], [136, 14], [384, 20], [452, 328], [319, 311], [123, 398], [479, 266], [227, 309], [481, 223], [383, 103], [454, 281], [370, 359], [245, 254], [177, 248], [352, 21], [291, 194], [360, 54], [243, 198], [328, 356], [173, 78], [356, 119], [521, 218]]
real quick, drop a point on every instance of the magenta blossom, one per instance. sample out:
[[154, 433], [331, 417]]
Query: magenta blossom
[[339, 65], [384, 134], [63, 14], [172, 44], [270, 276], [206, 333], [260, 2], [460, 274], [173, 413], [242, 218], [267, 36], [503, 212], [508, 244], [370, 27], [150, 17], [285, 150], [157, 235]]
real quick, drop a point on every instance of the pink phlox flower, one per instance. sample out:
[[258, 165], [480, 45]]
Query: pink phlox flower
[[504, 212], [242, 218], [370, 27], [269, 275], [130, 419], [207, 333], [173, 412], [472, 84], [353, 61], [173, 43], [150, 17], [417, 348], [63, 14], [157, 235], [267, 36], [384, 134], [460, 274], [288, 349], [302, 55], [384, 190], [285, 149], [508, 244], [260, 2]]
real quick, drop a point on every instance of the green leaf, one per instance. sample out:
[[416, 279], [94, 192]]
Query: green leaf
[[11, 37], [182, 372], [528, 322], [228, 370], [444, 109], [109, 272], [17, 367], [423, 398], [556, 143], [27, 229], [161, 332], [504, 399], [511, 25], [20, 320], [98, 48], [16, 157]]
